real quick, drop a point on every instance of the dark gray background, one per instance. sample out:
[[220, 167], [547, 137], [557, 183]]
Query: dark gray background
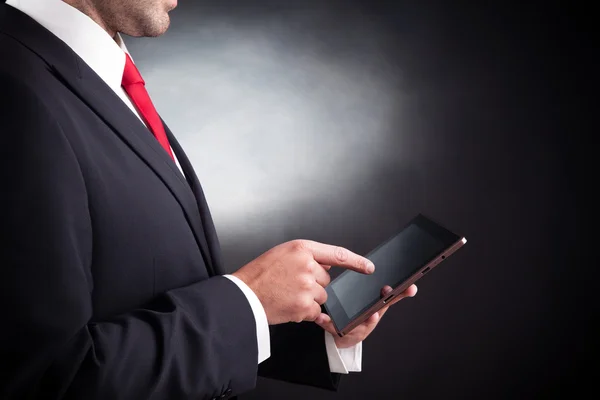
[[338, 121]]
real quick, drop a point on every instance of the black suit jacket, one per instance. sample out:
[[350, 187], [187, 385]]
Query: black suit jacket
[[110, 262]]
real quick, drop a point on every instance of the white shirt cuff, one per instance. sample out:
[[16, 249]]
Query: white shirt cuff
[[343, 361], [262, 325]]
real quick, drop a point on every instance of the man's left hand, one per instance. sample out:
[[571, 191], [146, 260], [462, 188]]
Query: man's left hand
[[362, 331]]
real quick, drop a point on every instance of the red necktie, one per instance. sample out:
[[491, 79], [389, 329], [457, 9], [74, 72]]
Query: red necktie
[[135, 87]]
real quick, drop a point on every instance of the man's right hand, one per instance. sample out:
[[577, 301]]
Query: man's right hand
[[290, 278]]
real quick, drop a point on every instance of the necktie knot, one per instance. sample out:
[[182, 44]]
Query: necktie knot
[[131, 75]]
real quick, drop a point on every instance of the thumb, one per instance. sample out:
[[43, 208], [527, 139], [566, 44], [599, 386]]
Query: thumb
[[324, 321]]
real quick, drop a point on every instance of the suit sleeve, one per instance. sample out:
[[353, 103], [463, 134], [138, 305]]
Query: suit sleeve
[[298, 355], [194, 342]]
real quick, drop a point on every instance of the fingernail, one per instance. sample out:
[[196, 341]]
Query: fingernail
[[319, 319], [370, 267]]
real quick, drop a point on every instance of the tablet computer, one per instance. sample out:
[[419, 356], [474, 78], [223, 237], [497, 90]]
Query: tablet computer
[[399, 262]]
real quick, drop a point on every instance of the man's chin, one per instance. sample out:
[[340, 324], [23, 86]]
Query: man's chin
[[164, 29], [149, 31], [158, 28]]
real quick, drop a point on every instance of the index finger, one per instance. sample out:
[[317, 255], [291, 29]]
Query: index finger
[[338, 256]]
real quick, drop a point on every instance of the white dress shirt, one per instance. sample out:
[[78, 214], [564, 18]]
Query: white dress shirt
[[106, 56]]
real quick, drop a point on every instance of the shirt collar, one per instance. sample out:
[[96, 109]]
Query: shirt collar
[[103, 54]]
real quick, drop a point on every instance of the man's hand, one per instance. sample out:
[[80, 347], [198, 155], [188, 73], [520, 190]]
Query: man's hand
[[289, 279], [362, 331]]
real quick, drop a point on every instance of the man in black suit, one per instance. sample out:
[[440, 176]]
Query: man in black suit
[[111, 275]]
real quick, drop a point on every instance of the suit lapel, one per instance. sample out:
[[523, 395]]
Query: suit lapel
[[111, 109], [210, 233]]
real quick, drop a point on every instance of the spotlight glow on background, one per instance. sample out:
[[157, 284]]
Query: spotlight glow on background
[[272, 116]]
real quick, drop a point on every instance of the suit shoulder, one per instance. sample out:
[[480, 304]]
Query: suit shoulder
[[24, 108], [23, 79], [20, 65], [35, 134]]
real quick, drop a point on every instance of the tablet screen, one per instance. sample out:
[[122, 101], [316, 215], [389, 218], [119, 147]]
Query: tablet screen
[[395, 261]]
